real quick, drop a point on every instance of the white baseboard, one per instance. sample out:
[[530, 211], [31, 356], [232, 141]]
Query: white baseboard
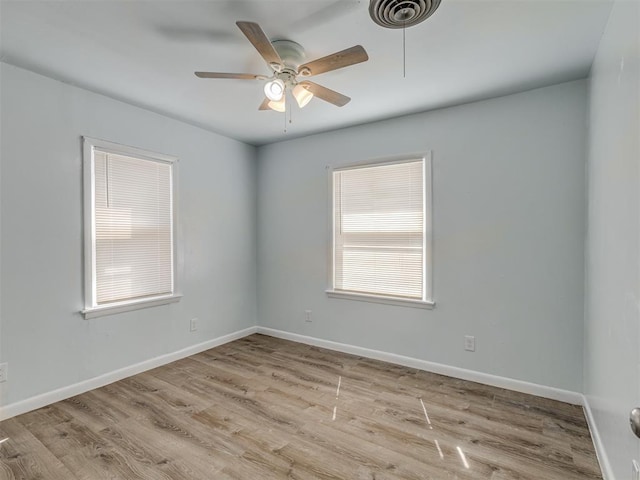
[[48, 398], [456, 372], [603, 459]]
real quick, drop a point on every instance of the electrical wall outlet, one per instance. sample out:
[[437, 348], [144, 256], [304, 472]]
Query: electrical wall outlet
[[307, 316], [193, 326], [470, 343], [4, 372]]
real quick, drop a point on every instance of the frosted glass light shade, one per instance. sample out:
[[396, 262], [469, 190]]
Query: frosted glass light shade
[[302, 95], [278, 106], [274, 89]]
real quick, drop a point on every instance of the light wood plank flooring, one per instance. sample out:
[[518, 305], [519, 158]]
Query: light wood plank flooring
[[263, 408]]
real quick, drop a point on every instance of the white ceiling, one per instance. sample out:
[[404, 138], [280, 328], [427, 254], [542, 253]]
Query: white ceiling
[[145, 53]]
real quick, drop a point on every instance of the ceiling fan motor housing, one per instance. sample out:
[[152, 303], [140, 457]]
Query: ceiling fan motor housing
[[401, 13], [291, 53]]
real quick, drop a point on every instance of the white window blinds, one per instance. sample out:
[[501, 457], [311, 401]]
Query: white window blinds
[[133, 228], [379, 229]]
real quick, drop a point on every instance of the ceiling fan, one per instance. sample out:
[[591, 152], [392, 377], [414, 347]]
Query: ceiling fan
[[285, 58]]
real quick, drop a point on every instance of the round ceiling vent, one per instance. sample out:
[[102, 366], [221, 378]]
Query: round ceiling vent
[[401, 13]]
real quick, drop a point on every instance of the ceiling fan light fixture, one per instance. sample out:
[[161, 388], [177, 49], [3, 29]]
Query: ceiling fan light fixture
[[286, 58], [274, 90], [302, 95], [277, 105]]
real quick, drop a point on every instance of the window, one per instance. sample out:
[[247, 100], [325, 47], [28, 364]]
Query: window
[[130, 240], [381, 232]]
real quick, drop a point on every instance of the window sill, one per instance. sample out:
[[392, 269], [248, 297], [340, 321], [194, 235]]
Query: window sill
[[402, 302], [127, 307]]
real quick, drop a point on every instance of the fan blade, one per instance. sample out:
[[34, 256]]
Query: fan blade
[[347, 57], [259, 40], [241, 76], [326, 94], [264, 105]]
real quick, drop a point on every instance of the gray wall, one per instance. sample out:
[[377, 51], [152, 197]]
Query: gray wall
[[46, 341], [509, 226], [509, 213], [612, 327]]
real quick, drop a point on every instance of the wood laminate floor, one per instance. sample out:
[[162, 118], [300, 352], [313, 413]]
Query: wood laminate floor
[[263, 408]]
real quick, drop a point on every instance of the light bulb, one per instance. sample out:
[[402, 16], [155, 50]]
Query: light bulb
[[274, 89], [277, 105], [302, 95]]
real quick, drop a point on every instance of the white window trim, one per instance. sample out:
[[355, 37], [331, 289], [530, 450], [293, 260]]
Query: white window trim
[[91, 311], [364, 297], [114, 308], [427, 302]]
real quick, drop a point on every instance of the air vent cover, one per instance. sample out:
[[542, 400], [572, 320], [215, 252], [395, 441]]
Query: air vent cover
[[401, 13]]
